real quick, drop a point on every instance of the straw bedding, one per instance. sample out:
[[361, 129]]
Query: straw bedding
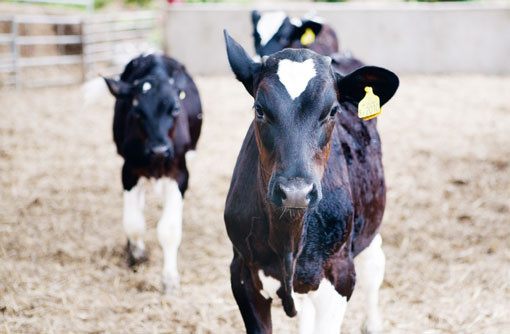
[[446, 146]]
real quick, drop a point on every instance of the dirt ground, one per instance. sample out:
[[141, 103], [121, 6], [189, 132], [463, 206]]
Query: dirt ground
[[446, 145]]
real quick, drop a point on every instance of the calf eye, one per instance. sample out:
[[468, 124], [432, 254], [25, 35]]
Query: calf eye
[[175, 111], [138, 113], [259, 112], [334, 110]]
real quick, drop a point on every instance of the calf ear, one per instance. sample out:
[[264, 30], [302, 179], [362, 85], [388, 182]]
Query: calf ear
[[245, 69], [118, 88], [255, 17], [352, 87]]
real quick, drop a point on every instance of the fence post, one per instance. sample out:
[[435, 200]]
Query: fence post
[[15, 52], [84, 60]]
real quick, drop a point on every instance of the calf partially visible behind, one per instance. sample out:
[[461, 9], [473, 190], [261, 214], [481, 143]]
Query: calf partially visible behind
[[157, 122], [275, 31]]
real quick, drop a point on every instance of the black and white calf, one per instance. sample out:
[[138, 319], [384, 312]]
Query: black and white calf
[[156, 125], [307, 195], [275, 31]]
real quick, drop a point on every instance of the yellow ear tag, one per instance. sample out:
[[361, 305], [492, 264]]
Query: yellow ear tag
[[182, 95], [369, 107], [308, 37]]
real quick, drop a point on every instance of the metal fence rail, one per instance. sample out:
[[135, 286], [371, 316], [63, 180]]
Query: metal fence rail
[[106, 40]]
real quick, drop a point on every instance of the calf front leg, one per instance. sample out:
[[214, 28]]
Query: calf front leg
[[133, 219], [255, 309], [324, 312], [170, 232], [370, 265]]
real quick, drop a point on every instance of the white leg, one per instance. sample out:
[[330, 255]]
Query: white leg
[[306, 313], [169, 233], [134, 221], [369, 266], [329, 307]]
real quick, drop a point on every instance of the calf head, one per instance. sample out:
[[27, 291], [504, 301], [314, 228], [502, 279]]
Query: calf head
[[275, 31], [154, 104], [297, 97]]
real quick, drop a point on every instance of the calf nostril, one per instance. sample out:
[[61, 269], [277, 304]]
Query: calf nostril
[[279, 192], [312, 194]]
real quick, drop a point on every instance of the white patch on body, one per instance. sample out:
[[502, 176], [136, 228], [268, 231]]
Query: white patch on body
[[369, 265], [269, 24], [133, 219], [321, 311], [146, 87], [170, 232], [269, 285], [295, 76]]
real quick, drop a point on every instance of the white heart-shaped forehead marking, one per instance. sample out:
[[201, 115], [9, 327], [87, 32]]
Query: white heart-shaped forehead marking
[[146, 86], [295, 75]]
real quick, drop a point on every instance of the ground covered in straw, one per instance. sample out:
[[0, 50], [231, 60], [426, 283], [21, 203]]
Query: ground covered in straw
[[446, 145]]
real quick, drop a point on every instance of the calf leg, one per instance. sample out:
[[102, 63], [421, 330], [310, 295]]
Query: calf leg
[[255, 309], [329, 307], [169, 233], [369, 266], [306, 313], [134, 221]]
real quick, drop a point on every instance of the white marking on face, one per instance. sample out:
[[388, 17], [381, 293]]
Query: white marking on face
[[146, 87], [295, 76], [321, 311], [369, 266], [170, 232], [269, 285], [268, 25], [133, 219]]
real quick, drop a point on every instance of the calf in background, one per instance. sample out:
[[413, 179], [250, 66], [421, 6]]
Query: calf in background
[[156, 125]]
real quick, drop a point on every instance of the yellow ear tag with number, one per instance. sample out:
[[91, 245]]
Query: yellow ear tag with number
[[369, 107], [308, 37]]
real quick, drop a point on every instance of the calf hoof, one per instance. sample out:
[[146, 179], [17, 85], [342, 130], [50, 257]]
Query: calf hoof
[[170, 283], [136, 255]]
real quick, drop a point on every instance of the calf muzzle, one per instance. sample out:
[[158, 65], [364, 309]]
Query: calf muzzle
[[163, 151], [294, 193]]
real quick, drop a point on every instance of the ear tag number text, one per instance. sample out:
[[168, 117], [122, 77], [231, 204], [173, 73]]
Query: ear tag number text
[[369, 107]]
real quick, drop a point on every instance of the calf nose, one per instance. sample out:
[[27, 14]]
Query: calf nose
[[294, 194]]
